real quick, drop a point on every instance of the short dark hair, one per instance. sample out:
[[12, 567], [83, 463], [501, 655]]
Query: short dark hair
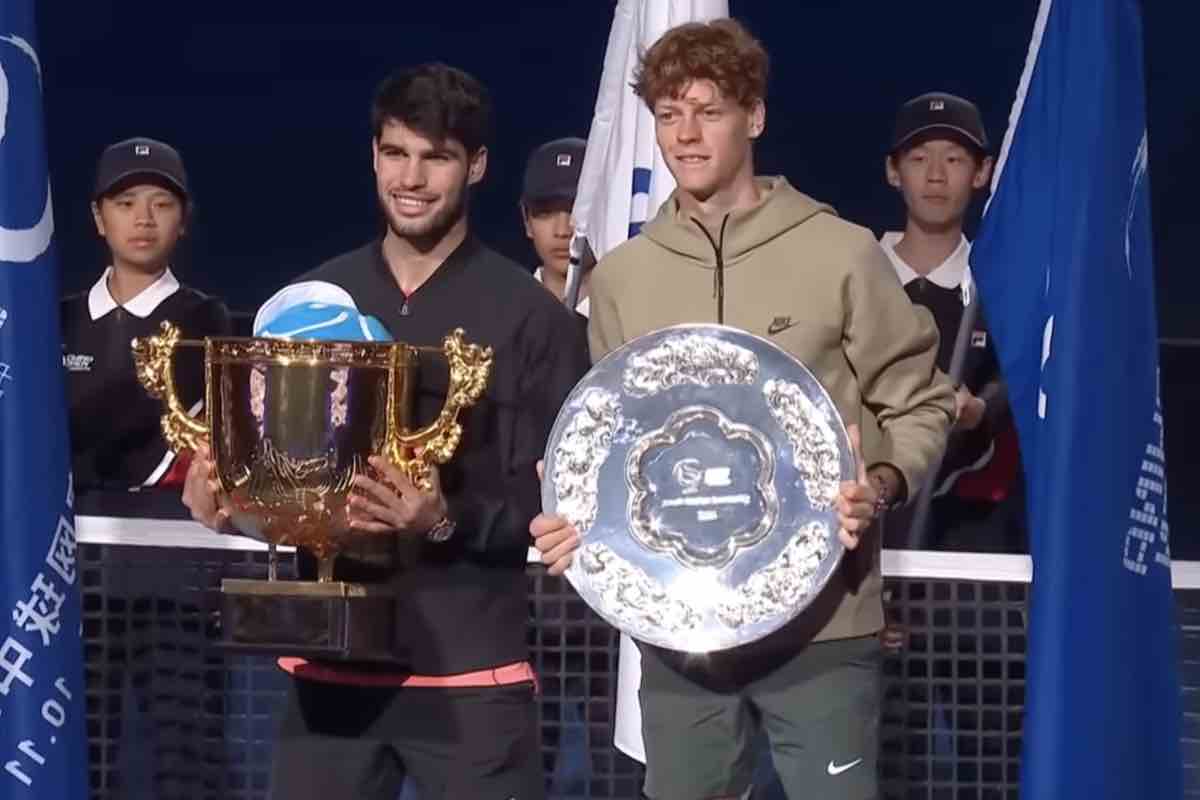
[[437, 101]]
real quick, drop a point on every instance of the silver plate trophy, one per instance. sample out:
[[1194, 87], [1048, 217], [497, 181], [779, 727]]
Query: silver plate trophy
[[700, 465]]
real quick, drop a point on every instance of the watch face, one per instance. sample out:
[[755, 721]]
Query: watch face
[[441, 531]]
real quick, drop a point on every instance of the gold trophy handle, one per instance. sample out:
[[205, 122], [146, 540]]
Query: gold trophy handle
[[153, 358], [415, 452]]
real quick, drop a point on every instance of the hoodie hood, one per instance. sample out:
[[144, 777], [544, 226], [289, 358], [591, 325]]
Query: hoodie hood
[[780, 209]]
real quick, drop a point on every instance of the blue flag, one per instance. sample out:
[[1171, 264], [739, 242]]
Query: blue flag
[[1066, 270], [43, 749]]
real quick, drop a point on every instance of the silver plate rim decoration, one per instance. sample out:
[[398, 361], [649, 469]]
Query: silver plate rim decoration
[[644, 565]]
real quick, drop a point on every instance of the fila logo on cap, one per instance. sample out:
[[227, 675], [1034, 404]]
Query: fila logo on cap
[[141, 149], [937, 105], [564, 160]]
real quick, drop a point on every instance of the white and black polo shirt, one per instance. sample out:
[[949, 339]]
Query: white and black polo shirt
[[116, 434]]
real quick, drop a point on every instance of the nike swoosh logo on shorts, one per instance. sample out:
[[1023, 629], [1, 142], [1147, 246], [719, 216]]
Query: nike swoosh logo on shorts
[[838, 769]]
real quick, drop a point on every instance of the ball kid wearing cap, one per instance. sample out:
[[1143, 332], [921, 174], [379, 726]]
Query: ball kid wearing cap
[[938, 161], [140, 205], [547, 196]]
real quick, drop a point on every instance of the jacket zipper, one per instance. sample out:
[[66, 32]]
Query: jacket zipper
[[718, 246]]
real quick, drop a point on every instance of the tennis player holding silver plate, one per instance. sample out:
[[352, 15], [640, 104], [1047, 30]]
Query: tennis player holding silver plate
[[711, 429]]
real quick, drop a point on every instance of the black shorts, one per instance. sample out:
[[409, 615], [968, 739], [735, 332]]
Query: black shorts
[[819, 711], [360, 742]]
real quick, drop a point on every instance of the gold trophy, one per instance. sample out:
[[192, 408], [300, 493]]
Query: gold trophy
[[289, 424]]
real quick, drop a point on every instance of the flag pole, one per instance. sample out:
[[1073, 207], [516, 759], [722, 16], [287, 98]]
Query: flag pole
[[918, 534]]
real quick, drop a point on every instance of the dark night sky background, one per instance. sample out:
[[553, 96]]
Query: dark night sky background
[[268, 103]]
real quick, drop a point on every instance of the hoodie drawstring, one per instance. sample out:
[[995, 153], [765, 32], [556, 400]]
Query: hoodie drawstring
[[718, 247]]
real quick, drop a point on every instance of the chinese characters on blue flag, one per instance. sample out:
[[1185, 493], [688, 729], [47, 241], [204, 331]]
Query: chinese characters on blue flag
[[43, 751], [1065, 267]]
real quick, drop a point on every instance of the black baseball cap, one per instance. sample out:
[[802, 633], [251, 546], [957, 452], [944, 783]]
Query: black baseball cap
[[939, 111], [552, 172], [140, 157]]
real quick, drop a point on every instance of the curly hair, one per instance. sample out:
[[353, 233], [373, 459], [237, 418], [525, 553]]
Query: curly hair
[[721, 51]]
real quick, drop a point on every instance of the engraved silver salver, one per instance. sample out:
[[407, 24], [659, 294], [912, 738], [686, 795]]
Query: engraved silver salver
[[700, 464]]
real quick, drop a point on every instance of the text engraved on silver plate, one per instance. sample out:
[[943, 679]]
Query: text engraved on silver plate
[[661, 517]]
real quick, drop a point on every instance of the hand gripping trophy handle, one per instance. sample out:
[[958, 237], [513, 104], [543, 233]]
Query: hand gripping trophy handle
[[153, 360], [415, 452]]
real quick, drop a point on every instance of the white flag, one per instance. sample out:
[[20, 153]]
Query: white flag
[[623, 183]]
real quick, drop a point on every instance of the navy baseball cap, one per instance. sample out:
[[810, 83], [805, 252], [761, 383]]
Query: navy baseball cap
[[939, 111], [552, 172], [123, 161]]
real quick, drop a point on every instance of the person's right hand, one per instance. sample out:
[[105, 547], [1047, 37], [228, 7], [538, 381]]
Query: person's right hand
[[968, 410], [201, 493]]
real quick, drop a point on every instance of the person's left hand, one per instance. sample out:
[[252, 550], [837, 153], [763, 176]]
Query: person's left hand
[[893, 637], [856, 500], [395, 505], [554, 537]]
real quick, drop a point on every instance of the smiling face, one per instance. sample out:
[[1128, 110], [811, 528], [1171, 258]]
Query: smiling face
[[706, 138], [423, 185], [937, 176], [141, 223]]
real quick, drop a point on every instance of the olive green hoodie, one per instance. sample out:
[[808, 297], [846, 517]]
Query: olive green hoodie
[[789, 269]]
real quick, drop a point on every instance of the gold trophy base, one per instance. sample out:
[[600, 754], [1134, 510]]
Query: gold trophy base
[[331, 620]]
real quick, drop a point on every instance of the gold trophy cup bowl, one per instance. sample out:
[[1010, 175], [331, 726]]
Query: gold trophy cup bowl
[[289, 425]]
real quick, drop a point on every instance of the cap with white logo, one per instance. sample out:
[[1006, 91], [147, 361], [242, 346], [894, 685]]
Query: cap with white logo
[[939, 111], [140, 157], [552, 172]]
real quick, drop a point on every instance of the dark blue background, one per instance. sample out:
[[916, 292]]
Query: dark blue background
[[268, 103]]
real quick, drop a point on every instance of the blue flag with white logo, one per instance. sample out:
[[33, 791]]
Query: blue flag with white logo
[[1065, 264], [43, 749]]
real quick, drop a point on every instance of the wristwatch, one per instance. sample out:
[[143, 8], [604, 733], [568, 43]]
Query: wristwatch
[[442, 530]]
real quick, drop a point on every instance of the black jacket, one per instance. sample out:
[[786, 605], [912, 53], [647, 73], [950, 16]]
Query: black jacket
[[463, 603], [980, 374]]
